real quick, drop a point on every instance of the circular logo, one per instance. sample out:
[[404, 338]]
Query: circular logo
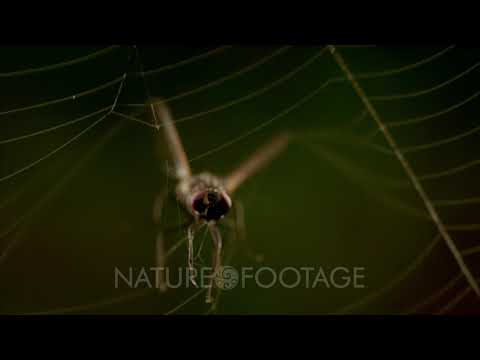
[[227, 278]]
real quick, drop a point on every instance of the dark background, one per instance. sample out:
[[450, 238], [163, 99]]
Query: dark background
[[328, 201]]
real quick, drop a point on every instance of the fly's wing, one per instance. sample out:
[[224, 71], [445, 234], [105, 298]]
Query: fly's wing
[[168, 144], [257, 161], [162, 157]]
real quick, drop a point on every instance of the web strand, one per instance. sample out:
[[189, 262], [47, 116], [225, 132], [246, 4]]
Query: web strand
[[435, 296], [455, 301], [426, 91], [406, 165], [397, 280], [185, 62], [53, 128], [94, 90], [59, 65]]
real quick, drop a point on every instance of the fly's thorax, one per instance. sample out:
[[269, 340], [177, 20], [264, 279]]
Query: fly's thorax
[[204, 197]]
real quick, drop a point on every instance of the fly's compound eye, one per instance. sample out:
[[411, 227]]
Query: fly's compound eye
[[211, 205]]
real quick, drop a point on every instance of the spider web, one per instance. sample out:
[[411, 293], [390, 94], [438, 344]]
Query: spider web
[[79, 172]]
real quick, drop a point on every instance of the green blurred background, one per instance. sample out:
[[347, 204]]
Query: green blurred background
[[328, 201]]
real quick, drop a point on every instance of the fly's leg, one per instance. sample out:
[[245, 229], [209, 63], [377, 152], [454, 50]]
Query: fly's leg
[[160, 255], [191, 268], [236, 234], [239, 228], [217, 258], [160, 261]]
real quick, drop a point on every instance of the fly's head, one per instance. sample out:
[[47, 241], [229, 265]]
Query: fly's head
[[204, 196], [211, 204]]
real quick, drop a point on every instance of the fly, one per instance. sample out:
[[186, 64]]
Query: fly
[[205, 196]]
